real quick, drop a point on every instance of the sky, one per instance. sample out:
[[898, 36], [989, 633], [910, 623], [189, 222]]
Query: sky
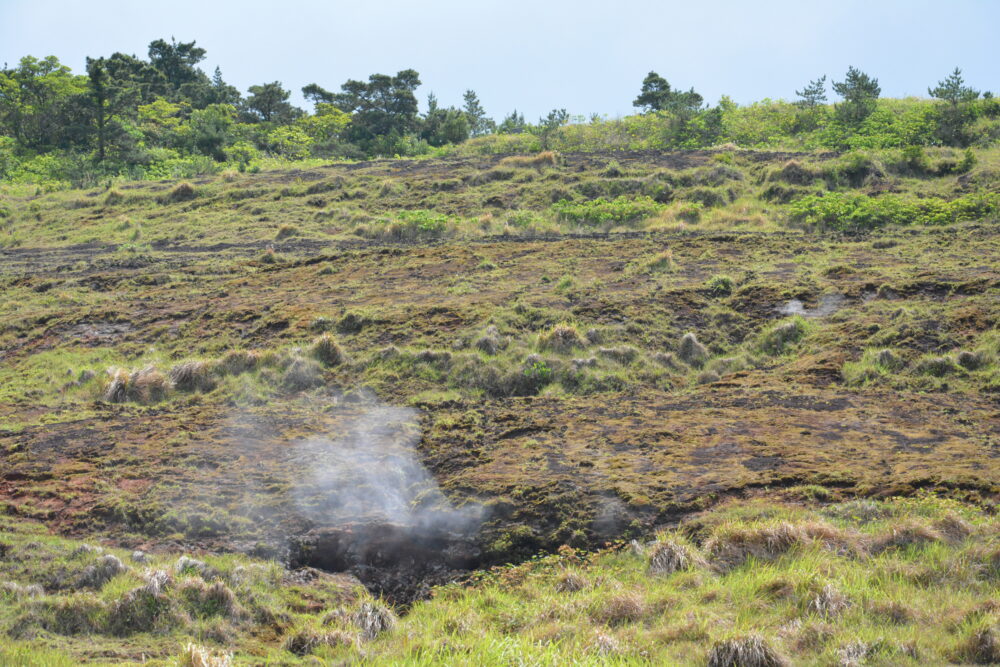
[[584, 56]]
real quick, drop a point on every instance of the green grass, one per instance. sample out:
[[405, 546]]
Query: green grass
[[906, 581]]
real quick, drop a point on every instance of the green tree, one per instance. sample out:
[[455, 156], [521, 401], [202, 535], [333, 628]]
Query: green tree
[[479, 123], [268, 102], [222, 92], [443, 126], [812, 95], [176, 61], [860, 93], [35, 102], [514, 123], [384, 106], [210, 130], [657, 95], [956, 110]]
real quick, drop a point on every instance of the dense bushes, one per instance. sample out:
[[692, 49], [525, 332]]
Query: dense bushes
[[600, 211], [849, 211]]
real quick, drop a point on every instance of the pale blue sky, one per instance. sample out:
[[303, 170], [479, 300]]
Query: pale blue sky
[[585, 56]]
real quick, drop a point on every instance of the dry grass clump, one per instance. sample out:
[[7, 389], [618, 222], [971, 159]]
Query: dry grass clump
[[982, 646], [215, 599], [935, 366], [146, 385], [667, 360], [794, 173], [199, 656], [143, 607], [579, 364], [490, 342], [605, 644], [193, 376], [437, 357], [620, 609], [285, 231], [302, 373], [623, 354], [911, 533], [306, 641], [16, 590], [77, 614], [781, 336], [104, 570], [829, 602], [325, 349], [180, 192], [236, 362], [953, 527], [373, 618], [116, 390], [731, 546], [561, 338], [149, 385], [538, 160], [970, 361], [691, 351], [748, 651], [663, 261], [667, 556], [707, 377], [570, 582]]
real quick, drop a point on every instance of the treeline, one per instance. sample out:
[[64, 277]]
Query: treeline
[[163, 116]]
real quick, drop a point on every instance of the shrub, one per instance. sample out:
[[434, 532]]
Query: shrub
[[847, 211]]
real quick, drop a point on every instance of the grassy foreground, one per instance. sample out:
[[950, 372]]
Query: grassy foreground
[[901, 581]]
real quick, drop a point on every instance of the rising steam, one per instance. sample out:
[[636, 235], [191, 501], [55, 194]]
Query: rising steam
[[369, 472]]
